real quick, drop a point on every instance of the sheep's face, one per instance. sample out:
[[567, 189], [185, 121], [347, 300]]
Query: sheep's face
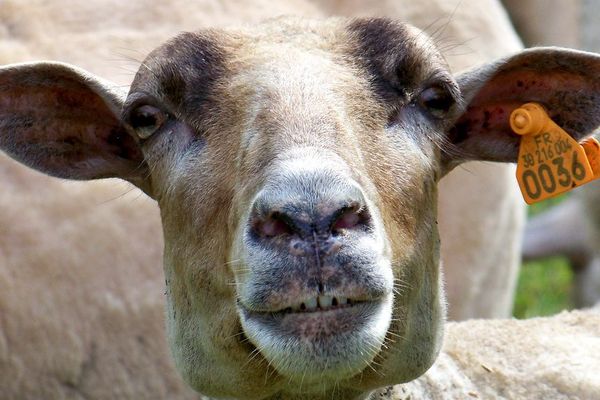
[[295, 166]]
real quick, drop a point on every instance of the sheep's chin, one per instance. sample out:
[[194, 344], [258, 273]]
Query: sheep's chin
[[316, 347]]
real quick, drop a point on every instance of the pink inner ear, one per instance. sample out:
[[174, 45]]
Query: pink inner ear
[[491, 108], [484, 127], [559, 91], [66, 130]]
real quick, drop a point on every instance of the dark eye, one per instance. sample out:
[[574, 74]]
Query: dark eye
[[436, 100], [146, 120]]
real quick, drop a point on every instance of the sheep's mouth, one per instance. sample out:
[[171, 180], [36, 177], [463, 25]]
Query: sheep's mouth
[[333, 339], [320, 304], [329, 315]]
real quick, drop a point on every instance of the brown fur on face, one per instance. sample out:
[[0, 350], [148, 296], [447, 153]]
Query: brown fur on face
[[247, 108]]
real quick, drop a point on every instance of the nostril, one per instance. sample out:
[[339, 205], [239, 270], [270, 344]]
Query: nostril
[[273, 225], [350, 218]]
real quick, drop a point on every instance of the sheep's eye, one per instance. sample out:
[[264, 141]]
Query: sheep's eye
[[146, 120], [436, 100]]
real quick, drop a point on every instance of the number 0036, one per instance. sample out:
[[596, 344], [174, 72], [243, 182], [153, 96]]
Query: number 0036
[[542, 179]]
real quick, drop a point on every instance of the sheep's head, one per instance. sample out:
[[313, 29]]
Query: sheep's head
[[295, 165], [297, 201]]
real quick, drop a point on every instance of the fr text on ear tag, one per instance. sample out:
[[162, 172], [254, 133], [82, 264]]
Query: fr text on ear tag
[[550, 161]]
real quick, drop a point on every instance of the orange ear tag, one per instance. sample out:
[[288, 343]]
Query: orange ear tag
[[550, 161], [592, 151]]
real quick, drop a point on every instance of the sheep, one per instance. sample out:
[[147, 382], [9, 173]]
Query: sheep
[[312, 257], [82, 355], [81, 315], [90, 350], [547, 22], [539, 358]]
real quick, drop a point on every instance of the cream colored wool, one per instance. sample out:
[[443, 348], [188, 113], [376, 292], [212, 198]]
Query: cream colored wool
[[539, 358]]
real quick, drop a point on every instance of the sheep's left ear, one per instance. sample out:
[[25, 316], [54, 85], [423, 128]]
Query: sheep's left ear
[[566, 82]]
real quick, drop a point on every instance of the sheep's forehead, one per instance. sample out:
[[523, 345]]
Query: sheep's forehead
[[286, 54]]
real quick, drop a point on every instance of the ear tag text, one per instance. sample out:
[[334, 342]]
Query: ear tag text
[[550, 161]]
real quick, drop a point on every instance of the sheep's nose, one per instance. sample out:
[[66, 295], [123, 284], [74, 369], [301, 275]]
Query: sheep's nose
[[274, 217]]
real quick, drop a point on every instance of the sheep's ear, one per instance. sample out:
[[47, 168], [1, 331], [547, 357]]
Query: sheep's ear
[[65, 122], [566, 82]]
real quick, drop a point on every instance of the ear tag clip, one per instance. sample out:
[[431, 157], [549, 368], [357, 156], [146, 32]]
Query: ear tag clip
[[550, 161]]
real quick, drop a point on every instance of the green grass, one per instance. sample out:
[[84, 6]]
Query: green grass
[[544, 286]]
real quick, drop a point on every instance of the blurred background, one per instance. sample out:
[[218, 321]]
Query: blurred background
[[561, 268]]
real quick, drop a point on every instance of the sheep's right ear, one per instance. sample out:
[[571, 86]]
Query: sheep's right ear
[[65, 122]]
